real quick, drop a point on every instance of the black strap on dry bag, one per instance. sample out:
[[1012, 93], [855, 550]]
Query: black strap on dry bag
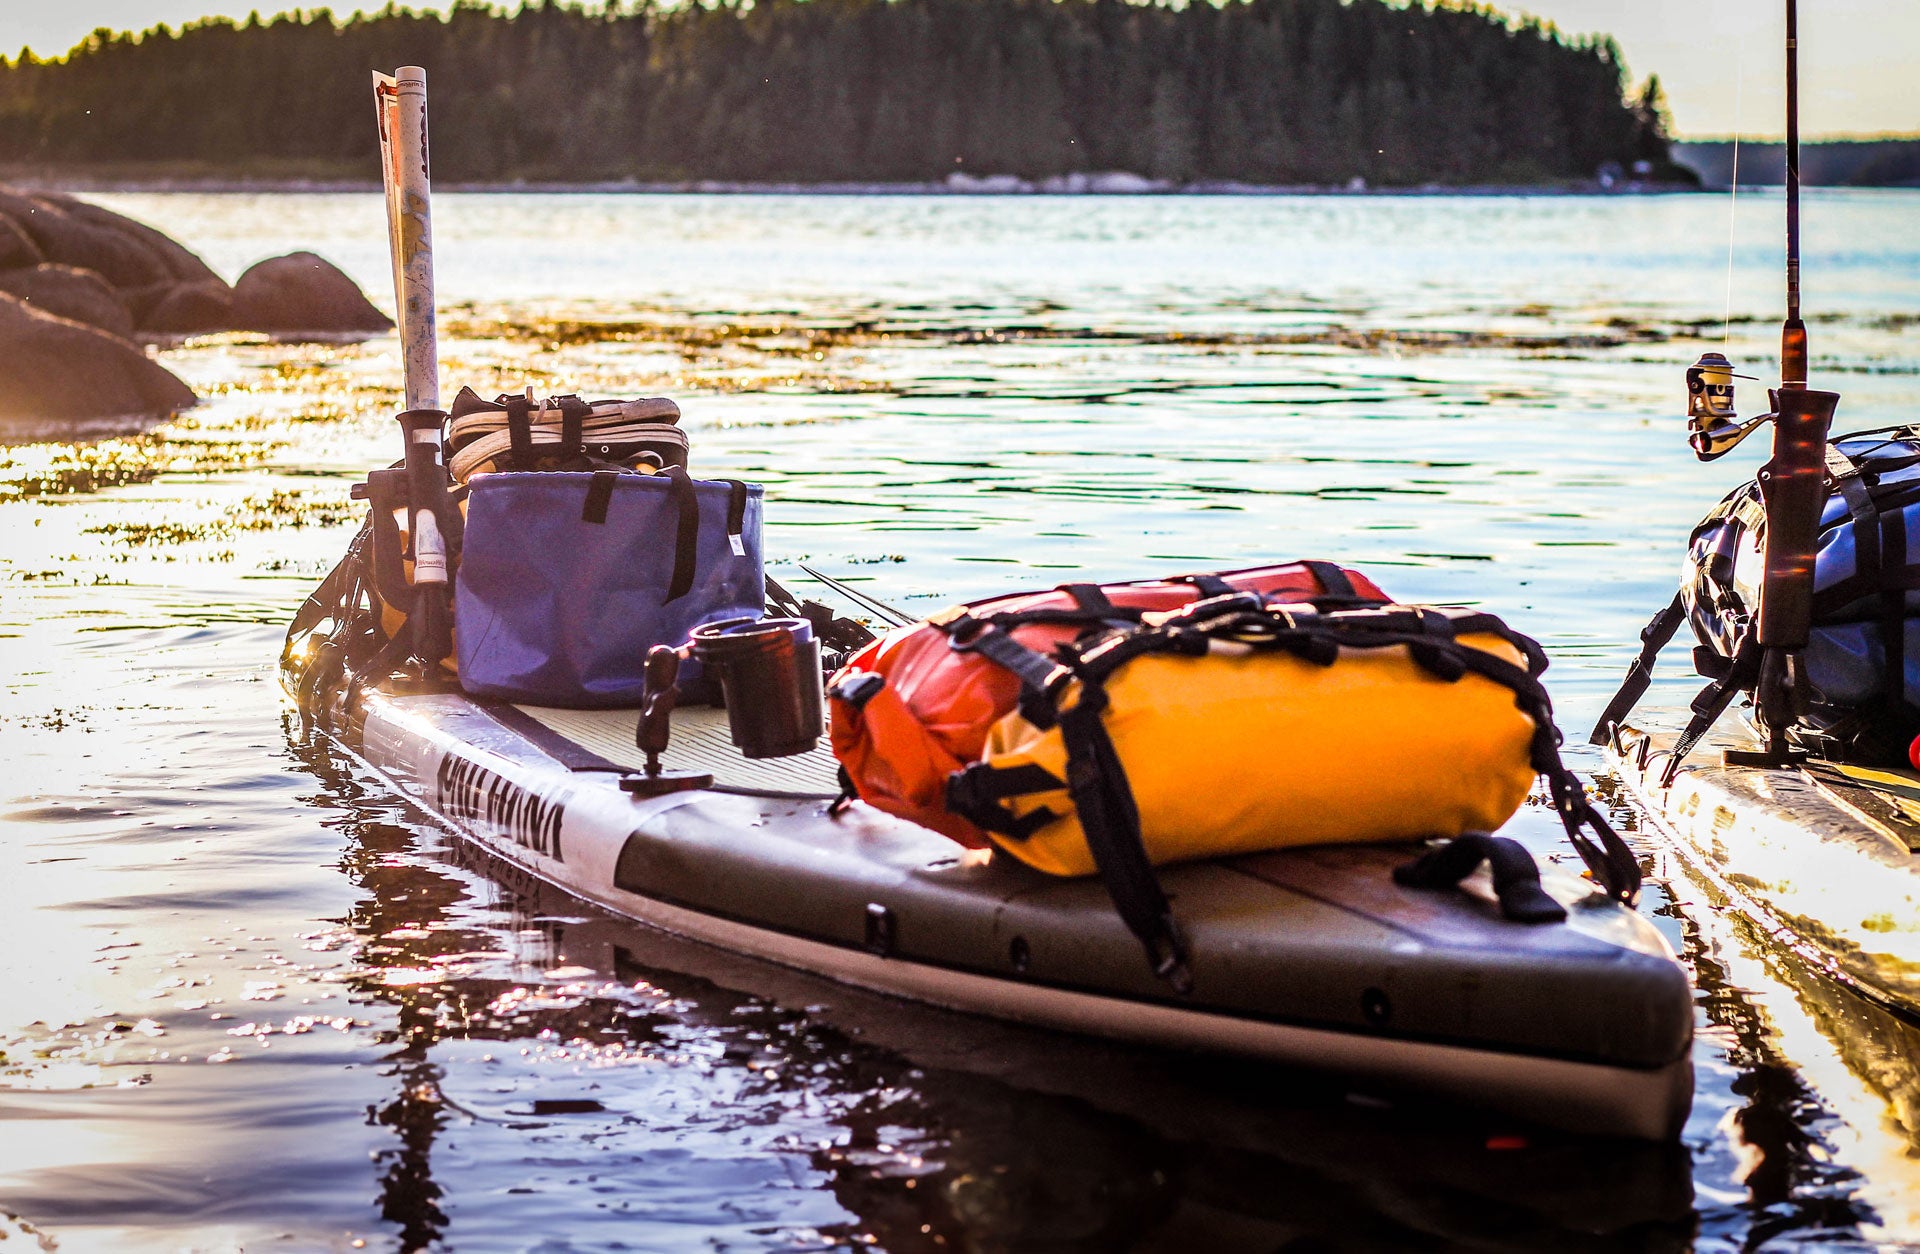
[[1103, 800], [573, 414], [1334, 581], [1741, 674], [1609, 859], [1040, 679], [1096, 780]]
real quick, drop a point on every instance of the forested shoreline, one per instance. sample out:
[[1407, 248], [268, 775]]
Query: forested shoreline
[[1891, 161], [1268, 92]]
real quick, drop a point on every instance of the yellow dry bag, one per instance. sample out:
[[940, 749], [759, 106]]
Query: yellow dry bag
[[1239, 750], [1237, 725]]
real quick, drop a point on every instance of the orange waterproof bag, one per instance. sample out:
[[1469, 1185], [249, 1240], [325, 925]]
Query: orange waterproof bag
[[917, 704]]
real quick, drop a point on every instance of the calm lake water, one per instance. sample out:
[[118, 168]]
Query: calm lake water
[[252, 1001]]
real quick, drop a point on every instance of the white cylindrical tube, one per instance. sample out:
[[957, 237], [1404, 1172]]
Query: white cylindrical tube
[[403, 133], [429, 549]]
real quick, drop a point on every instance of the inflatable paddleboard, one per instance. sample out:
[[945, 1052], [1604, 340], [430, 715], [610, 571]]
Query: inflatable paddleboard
[[1309, 957], [1825, 857]]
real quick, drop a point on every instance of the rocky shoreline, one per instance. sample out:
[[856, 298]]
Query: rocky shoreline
[[84, 291], [1110, 183]]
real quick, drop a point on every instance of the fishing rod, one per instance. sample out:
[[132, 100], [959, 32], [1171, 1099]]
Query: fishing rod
[[1793, 332], [881, 609], [1793, 483]]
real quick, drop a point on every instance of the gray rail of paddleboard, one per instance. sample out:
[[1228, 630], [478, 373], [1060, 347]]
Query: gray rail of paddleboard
[[1316, 937]]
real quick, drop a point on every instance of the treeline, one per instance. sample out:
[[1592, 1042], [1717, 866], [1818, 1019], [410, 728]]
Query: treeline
[[1829, 163], [1257, 91]]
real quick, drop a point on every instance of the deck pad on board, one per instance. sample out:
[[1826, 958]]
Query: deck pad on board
[[1359, 879], [700, 743]]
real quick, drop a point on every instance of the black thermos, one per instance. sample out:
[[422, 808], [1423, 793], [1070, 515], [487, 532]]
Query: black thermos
[[769, 673]]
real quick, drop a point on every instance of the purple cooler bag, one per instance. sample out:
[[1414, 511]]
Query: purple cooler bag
[[566, 579]]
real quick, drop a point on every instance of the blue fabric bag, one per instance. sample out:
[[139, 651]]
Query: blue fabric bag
[[567, 579]]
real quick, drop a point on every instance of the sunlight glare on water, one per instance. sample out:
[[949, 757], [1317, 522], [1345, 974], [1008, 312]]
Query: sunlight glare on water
[[254, 999]]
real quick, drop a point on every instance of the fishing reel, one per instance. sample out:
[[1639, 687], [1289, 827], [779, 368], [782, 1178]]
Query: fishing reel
[[1713, 428]]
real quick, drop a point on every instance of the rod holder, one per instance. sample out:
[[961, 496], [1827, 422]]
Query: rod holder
[[1794, 486]]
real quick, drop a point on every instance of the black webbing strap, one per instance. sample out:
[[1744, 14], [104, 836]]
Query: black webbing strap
[[377, 668], [1040, 677], [1516, 877], [1333, 581], [1893, 618], [1088, 596], [330, 598], [736, 516], [1879, 561], [520, 430], [599, 496], [1871, 571], [573, 414], [1608, 858], [1741, 675], [686, 536], [1209, 585], [1851, 480], [979, 794], [857, 689], [848, 793], [1103, 801], [1653, 638]]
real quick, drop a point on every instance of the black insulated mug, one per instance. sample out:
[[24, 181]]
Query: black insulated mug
[[769, 673]]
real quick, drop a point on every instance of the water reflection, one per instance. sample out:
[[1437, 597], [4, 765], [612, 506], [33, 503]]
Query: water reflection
[[1816, 1136]]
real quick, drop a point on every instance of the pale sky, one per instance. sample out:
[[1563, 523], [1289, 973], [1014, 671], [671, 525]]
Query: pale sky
[[1720, 60]]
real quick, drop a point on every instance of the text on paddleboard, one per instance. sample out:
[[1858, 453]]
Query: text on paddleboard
[[471, 793]]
